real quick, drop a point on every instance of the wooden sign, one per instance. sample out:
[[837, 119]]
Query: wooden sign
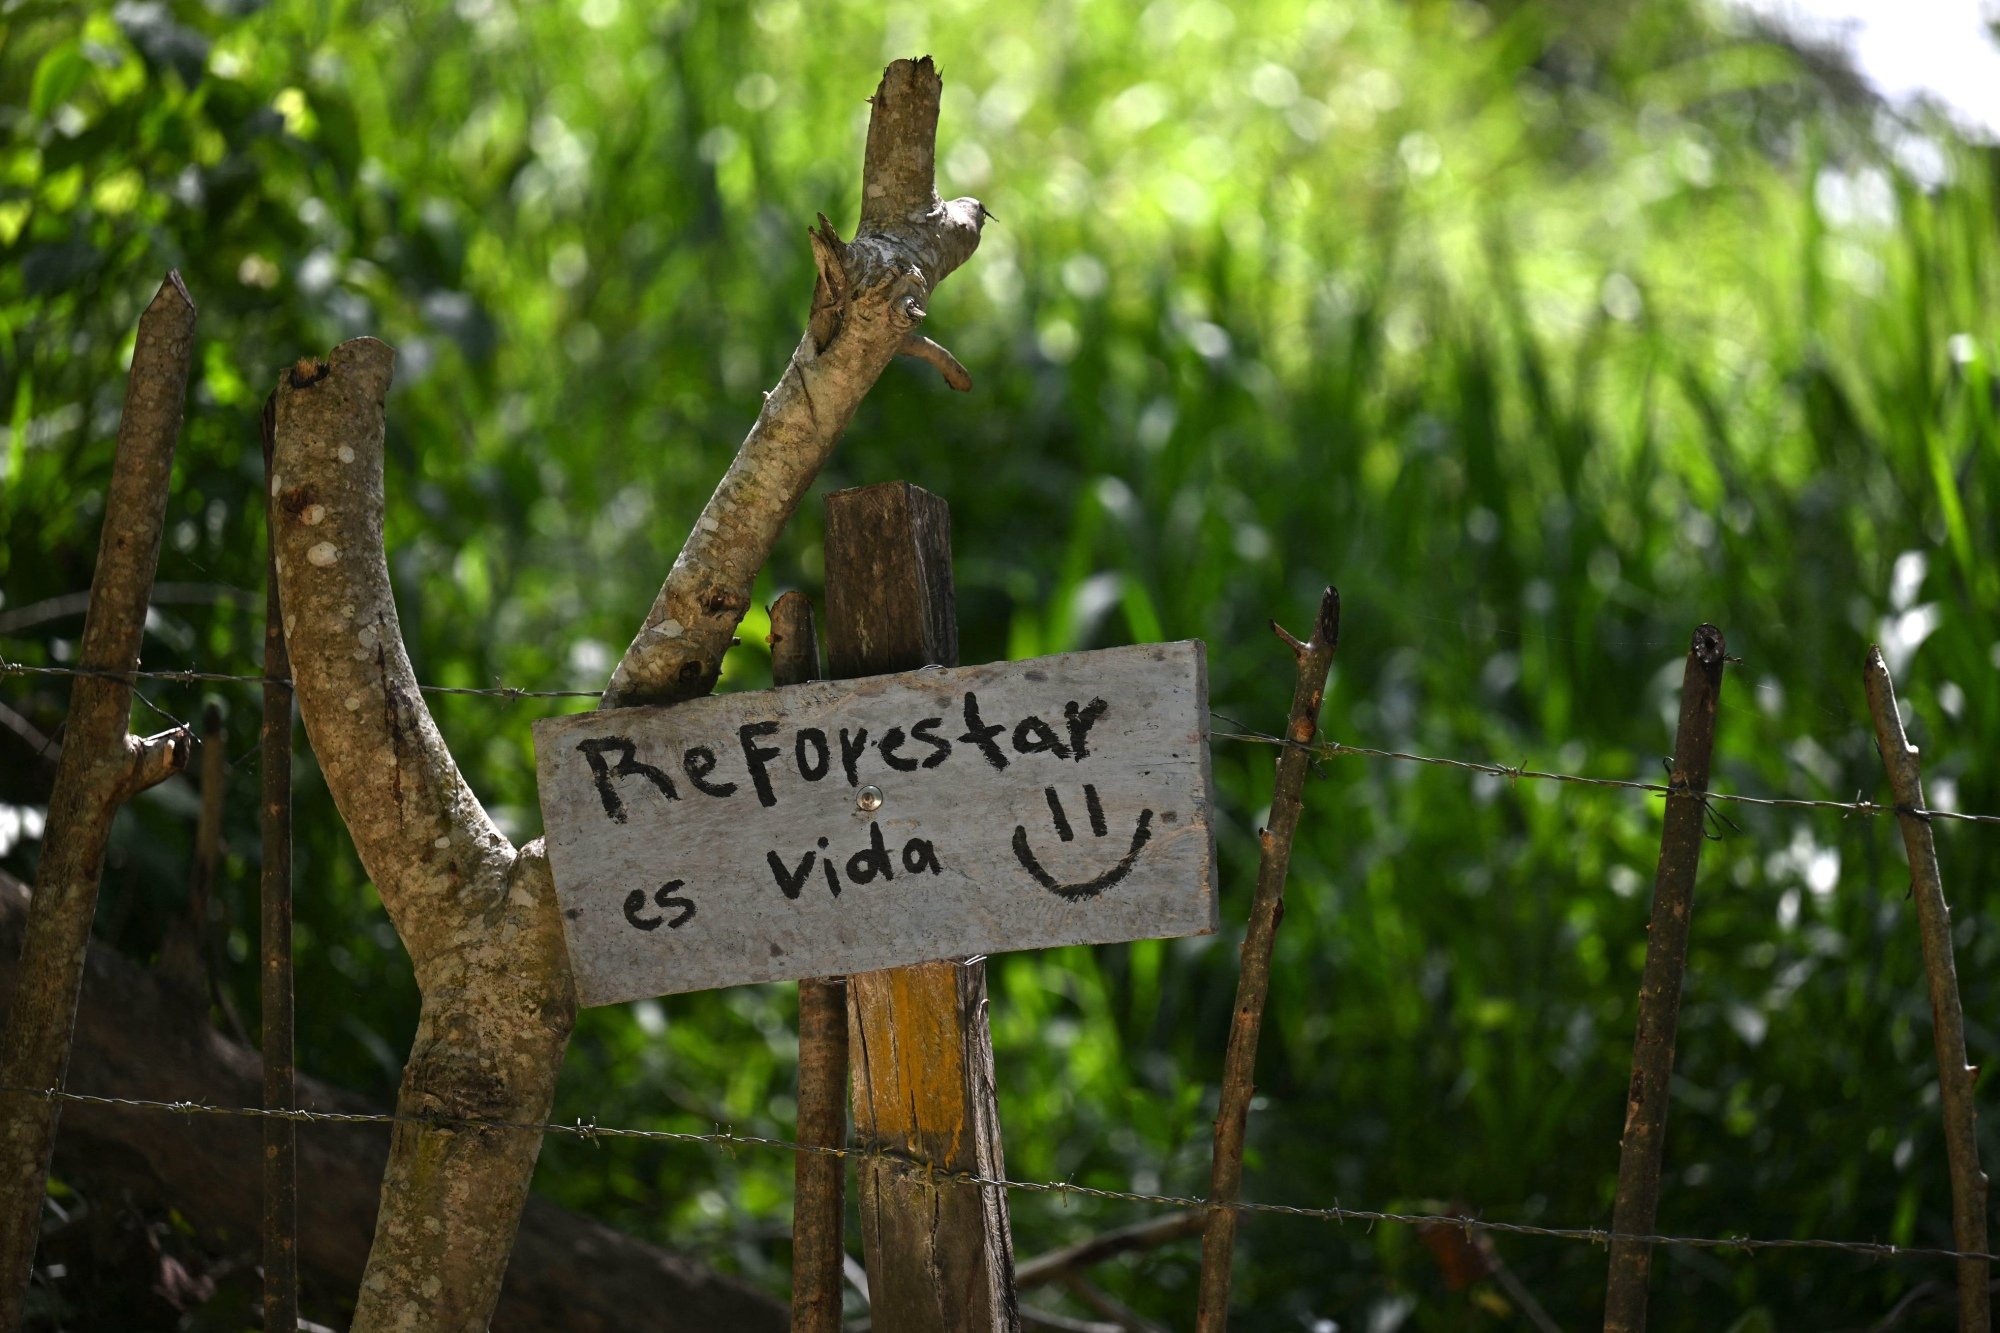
[[844, 826]]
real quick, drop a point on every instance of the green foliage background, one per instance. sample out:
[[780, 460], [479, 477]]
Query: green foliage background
[[1544, 329]]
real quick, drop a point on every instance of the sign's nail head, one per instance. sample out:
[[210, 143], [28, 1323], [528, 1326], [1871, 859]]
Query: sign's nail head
[[869, 798]]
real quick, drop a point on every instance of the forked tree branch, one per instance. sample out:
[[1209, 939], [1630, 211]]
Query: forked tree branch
[[871, 294], [478, 917]]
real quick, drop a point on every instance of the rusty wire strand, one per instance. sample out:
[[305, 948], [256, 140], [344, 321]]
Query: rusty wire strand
[[1333, 749], [725, 1139], [193, 677]]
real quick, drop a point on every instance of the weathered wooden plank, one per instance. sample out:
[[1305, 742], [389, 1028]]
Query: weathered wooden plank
[[890, 604], [734, 839], [940, 1251]]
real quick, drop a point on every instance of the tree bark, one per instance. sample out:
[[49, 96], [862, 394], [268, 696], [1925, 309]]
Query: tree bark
[[139, 1034], [477, 915], [102, 767]]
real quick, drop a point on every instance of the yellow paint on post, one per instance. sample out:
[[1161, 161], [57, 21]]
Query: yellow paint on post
[[910, 1087]]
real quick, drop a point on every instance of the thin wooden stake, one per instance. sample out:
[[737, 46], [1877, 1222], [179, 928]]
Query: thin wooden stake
[[1638, 1199], [819, 1188], [940, 1253], [190, 954], [1955, 1077], [102, 766], [208, 829], [1314, 659], [281, 1143]]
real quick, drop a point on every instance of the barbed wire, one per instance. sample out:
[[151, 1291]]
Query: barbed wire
[[591, 1131], [193, 677], [1333, 749], [725, 1139], [1320, 749]]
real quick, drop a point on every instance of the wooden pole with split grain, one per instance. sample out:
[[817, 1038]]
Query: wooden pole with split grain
[[281, 1137], [1638, 1199], [819, 1179], [940, 1253], [102, 767], [1955, 1077], [1313, 660]]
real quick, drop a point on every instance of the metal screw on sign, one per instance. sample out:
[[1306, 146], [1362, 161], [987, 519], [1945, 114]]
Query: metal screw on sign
[[869, 798]]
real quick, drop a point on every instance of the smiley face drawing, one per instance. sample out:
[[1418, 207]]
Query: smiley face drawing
[[1089, 888]]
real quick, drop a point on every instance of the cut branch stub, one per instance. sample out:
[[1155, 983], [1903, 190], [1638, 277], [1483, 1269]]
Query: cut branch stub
[[869, 296], [899, 172]]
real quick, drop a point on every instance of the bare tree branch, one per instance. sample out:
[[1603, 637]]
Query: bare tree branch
[[101, 767], [47, 753], [1313, 659], [153, 759], [919, 348], [871, 294], [164, 594], [1956, 1078], [1058, 1265]]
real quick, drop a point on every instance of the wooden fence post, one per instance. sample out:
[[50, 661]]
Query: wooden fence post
[[1638, 1198], [1312, 660], [281, 1137], [102, 767], [819, 1180], [1955, 1077], [940, 1253]]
